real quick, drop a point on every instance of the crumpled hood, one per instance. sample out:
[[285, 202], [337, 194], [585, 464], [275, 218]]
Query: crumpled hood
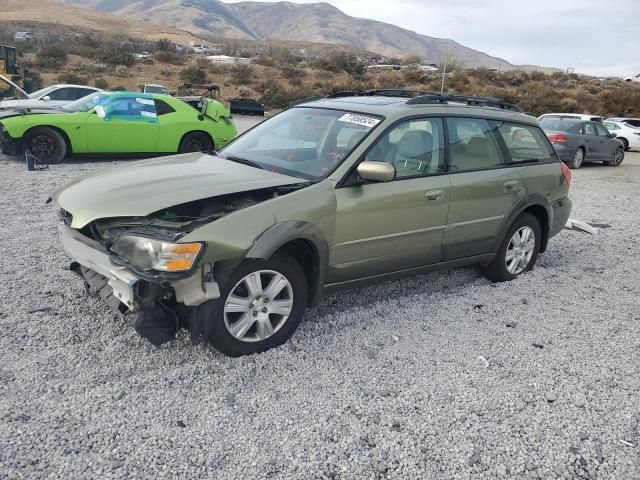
[[6, 112], [144, 187]]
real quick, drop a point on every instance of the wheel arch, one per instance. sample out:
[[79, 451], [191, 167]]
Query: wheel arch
[[213, 142], [304, 242], [64, 135], [536, 206]]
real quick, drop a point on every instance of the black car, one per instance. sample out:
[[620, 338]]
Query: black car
[[246, 106], [577, 141]]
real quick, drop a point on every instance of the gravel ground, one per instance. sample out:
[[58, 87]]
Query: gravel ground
[[439, 376]]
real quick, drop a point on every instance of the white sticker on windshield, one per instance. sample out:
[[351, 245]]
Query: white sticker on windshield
[[148, 114], [364, 120], [145, 101], [100, 111]]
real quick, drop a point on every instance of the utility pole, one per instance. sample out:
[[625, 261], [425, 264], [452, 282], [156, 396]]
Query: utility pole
[[444, 73]]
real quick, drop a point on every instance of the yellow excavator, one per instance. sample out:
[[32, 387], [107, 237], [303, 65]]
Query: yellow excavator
[[10, 69]]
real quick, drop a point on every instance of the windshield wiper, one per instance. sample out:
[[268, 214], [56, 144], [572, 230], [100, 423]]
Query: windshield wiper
[[244, 161]]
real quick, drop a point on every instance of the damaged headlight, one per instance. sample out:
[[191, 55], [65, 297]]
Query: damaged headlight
[[150, 254]]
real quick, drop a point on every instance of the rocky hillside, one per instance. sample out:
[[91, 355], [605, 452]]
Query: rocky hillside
[[316, 22]]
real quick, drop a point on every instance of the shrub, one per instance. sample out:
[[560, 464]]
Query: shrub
[[114, 51], [101, 83], [243, 74], [164, 45], [194, 74], [173, 58], [121, 71], [70, 77], [51, 57]]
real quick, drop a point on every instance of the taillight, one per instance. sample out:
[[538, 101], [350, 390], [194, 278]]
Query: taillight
[[566, 173], [557, 138]]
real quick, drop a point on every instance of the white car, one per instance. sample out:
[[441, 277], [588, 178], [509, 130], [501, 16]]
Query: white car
[[628, 135], [632, 122], [53, 96], [574, 116], [633, 79], [155, 88]]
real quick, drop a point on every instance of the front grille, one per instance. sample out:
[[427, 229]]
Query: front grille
[[66, 217]]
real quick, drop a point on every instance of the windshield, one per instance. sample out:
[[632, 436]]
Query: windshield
[[558, 124], [41, 92], [86, 103], [303, 142], [154, 89]]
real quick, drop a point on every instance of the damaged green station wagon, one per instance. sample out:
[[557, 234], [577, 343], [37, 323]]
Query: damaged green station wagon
[[334, 193]]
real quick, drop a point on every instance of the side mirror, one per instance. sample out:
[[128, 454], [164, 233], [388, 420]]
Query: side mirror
[[376, 171], [613, 135], [46, 98]]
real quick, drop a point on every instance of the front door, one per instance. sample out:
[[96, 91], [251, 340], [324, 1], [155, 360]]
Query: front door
[[124, 123], [386, 227], [484, 190], [595, 148]]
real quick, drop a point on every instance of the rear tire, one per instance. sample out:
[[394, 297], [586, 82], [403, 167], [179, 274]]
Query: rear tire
[[249, 317], [577, 160], [195, 142], [616, 158], [514, 258], [47, 144]]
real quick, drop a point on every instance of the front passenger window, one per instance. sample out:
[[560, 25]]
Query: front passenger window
[[415, 148]]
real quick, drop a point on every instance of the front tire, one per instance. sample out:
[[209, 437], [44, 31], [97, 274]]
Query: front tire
[[577, 160], [261, 305], [616, 158], [195, 142], [519, 250], [47, 144]]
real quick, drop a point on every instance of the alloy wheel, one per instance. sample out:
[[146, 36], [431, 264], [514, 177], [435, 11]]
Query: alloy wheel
[[617, 157], [258, 306], [520, 250], [43, 146], [578, 158]]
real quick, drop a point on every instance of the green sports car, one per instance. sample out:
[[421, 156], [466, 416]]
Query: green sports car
[[116, 123]]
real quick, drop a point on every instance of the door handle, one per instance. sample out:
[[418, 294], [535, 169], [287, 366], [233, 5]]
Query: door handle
[[434, 195], [511, 185]]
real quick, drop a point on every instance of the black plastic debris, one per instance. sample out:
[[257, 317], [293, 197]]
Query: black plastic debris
[[156, 324]]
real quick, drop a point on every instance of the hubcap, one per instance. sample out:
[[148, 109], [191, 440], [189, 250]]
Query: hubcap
[[617, 157], [520, 250], [43, 146], [578, 158], [258, 306]]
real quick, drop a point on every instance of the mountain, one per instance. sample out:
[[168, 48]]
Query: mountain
[[30, 14], [315, 22]]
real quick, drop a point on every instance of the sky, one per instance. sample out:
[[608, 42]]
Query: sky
[[596, 37]]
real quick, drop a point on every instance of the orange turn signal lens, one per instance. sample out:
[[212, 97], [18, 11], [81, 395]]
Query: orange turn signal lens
[[178, 265], [187, 248]]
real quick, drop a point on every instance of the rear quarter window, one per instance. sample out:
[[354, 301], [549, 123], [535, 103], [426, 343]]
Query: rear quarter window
[[525, 143]]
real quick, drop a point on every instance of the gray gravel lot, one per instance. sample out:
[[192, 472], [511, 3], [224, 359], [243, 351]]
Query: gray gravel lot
[[439, 376]]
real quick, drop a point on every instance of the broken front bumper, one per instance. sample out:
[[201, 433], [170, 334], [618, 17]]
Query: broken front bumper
[[117, 284]]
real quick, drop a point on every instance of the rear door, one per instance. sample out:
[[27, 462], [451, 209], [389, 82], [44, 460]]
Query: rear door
[[484, 187], [387, 227], [595, 148]]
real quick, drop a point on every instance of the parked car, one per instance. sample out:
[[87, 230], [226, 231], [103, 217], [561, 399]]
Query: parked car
[[327, 195], [155, 88], [635, 78], [577, 141], [246, 106], [52, 96], [118, 122], [575, 116], [634, 122], [628, 135], [142, 55]]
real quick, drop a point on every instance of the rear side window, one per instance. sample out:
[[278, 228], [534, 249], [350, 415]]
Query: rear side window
[[63, 94], [82, 92], [525, 143], [589, 129], [472, 145], [162, 108]]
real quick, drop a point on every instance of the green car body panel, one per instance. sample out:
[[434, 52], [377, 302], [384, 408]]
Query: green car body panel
[[356, 231], [89, 133]]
